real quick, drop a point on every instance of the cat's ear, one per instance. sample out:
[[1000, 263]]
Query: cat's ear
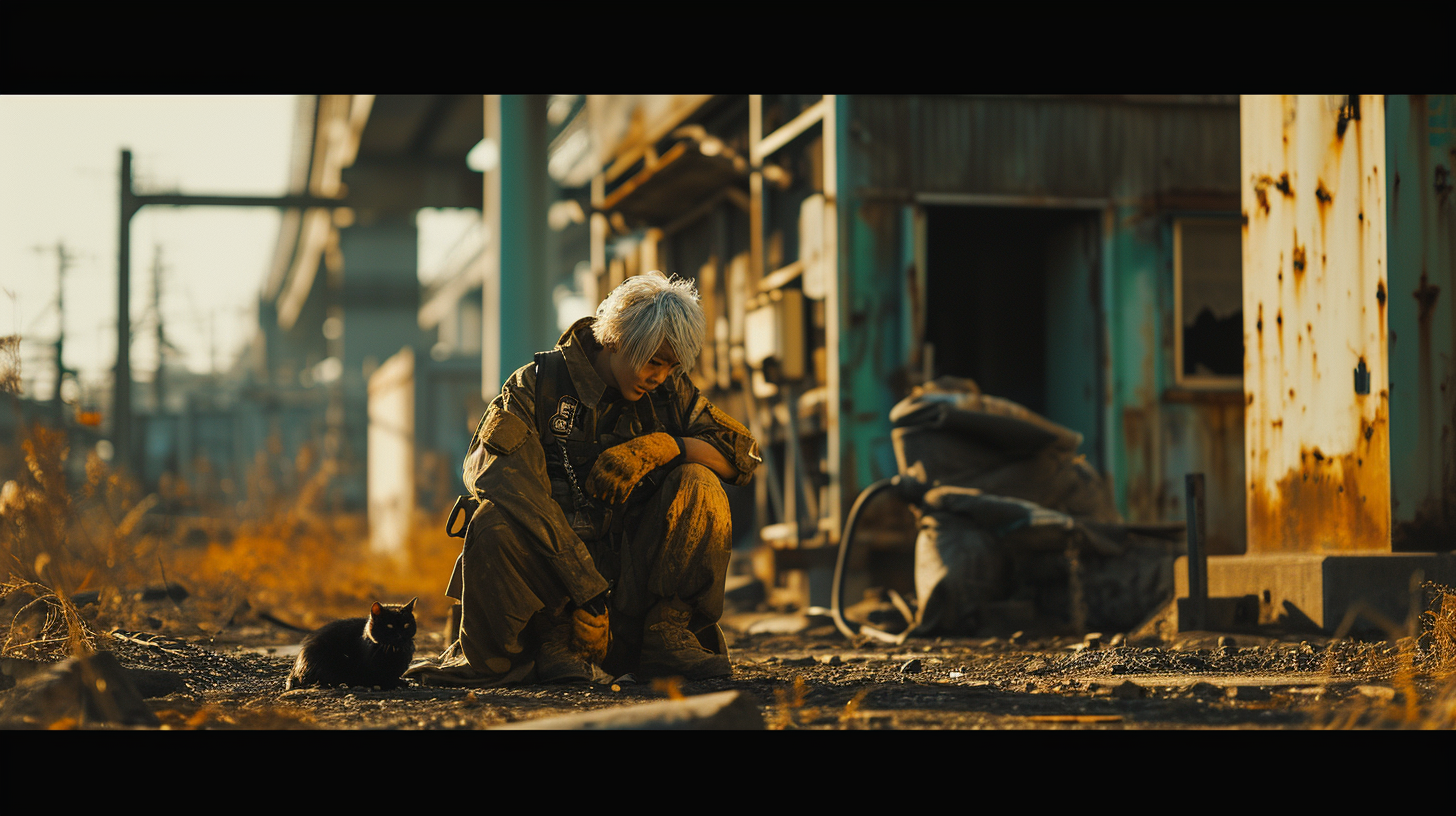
[[410, 607], [375, 609]]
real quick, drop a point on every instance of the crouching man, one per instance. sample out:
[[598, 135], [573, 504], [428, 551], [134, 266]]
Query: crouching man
[[601, 540]]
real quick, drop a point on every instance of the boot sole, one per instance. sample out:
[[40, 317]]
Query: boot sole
[[704, 671]]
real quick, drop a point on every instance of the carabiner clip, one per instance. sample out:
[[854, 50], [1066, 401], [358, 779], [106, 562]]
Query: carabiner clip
[[467, 504]]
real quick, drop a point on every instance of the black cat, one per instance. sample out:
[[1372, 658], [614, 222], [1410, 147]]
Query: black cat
[[372, 651]]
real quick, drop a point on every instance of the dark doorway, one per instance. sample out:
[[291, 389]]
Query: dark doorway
[[1013, 302]]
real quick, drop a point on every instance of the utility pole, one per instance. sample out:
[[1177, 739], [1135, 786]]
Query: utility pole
[[63, 261], [121, 384], [158, 385], [131, 203]]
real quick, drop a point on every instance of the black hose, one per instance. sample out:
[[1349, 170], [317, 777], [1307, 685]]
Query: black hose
[[836, 602]]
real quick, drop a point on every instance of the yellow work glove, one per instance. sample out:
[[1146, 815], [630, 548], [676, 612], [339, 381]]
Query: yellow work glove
[[621, 467], [591, 637]]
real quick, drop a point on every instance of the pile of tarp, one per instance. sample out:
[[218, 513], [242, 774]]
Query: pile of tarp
[[1015, 519]]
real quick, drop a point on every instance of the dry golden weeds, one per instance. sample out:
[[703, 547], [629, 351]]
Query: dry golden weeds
[[10, 364], [282, 550], [791, 712], [1420, 669]]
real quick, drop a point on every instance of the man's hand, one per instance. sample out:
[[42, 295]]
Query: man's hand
[[621, 467], [591, 637]]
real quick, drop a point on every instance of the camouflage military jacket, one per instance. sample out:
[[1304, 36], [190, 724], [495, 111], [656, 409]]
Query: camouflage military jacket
[[540, 437]]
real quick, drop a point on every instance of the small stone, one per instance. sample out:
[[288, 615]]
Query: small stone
[[1382, 693], [1037, 666], [956, 674], [1118, 668], [1030, 687], [1128, 690], [833, 660], [1092, 640], [1117, 640], [1247, 693], [911, 666], [1018, 638], [1202, 689], [1226, 641]]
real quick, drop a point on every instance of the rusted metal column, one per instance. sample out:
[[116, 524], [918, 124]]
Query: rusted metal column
[[1197, 555], [1315, 329]]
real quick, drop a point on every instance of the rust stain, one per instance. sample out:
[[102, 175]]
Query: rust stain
[[1329, 510], [1259, 324], [1349, 112], [1323, 195], [1380, 293], [1142, 494], [1298, 257], [1284, 186], [1443, 183], [1261, 191], [1425, 296]]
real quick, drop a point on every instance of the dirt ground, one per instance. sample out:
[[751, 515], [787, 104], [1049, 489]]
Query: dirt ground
[[802, 674]]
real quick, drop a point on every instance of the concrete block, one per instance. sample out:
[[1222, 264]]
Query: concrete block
[[1225, 614], [720, 711], [1316, 591]]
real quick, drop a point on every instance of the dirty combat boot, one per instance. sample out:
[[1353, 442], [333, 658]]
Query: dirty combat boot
[[669, 649], [557, 662]]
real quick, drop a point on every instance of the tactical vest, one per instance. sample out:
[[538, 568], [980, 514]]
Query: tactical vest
[[573, 435]]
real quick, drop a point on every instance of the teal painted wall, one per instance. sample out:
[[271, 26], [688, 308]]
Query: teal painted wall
[[1134, 260], [1420, 144]]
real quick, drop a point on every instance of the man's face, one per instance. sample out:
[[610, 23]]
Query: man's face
[[634, 384]]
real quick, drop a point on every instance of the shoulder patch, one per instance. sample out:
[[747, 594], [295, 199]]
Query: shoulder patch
[[503, 432]]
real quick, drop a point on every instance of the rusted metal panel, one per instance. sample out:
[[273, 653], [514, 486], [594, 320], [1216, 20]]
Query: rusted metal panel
[[1062, 146], [1317, 419], [1205, 435]]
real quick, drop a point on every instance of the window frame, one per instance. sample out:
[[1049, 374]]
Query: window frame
[[1196, 382]]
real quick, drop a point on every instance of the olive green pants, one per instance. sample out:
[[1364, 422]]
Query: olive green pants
[[678, 547]]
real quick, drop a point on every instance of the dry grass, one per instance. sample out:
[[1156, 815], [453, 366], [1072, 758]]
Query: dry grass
[[45, 561], [283, 550], [10, 364], [1420, 669]]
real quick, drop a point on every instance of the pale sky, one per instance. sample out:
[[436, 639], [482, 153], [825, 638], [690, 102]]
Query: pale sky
[[59, 174]]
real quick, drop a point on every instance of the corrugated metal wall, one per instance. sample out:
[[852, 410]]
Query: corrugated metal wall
[[1050, 146]]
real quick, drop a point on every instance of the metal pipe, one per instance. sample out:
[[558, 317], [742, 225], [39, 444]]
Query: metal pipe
[[1197, 556]]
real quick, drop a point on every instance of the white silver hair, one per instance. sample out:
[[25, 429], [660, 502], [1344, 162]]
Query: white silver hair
[[646, 310]]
